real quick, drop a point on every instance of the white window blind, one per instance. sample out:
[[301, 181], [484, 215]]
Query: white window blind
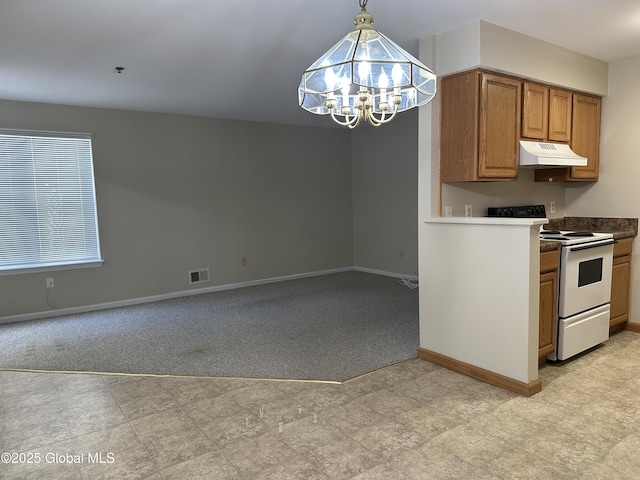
[[48, 214]]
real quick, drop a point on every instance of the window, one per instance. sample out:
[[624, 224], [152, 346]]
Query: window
[[48, 216]]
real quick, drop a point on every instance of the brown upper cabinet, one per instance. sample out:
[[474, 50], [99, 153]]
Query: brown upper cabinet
[[560, 115], [585, 141], [535, 111], [483, 115], [546, 113], [479, 127], [585, 136]]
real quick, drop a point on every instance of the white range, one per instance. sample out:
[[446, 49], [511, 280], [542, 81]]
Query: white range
[[584, 290]]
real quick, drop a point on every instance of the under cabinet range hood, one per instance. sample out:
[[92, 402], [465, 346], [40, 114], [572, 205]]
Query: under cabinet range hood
[[544, 154]]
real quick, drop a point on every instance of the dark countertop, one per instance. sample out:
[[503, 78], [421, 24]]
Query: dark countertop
[[620, 227]]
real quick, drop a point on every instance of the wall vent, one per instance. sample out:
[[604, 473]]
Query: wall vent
[[199, 276]]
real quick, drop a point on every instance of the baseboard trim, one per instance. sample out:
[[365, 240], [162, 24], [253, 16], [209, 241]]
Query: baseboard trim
[[632, 327], [516, 386], [166, 296], [386, 274]]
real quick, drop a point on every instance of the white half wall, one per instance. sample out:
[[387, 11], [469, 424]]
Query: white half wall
[[479, 293]]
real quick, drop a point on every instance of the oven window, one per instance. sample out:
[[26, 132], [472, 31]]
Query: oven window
[[590, 272]]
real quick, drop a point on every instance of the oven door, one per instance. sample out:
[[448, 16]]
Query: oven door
[[585, 276]]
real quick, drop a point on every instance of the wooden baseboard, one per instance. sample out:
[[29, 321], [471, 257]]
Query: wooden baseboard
[[165, 296], [521, 388], [633, 327]]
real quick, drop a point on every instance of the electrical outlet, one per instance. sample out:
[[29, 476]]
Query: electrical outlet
[[401, 253], [552, 207], [243, 261], [448, 211], [468, 211], [50, 282]]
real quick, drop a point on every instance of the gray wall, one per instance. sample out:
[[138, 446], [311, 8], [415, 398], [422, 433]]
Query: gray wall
[[178, 193], [617, 192], [385, 196]]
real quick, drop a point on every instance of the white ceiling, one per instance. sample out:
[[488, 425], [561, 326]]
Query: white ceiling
[[243, 59]]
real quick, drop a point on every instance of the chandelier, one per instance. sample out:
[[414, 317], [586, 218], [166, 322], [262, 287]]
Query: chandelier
[[365, 76]]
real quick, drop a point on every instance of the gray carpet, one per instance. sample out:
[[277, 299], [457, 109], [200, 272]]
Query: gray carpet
[[331, 327]]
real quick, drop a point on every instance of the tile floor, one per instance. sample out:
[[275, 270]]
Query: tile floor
[[413, 420]]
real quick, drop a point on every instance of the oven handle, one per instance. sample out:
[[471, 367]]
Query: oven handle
[[592, 245]]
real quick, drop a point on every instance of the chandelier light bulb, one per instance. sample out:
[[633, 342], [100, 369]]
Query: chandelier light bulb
[[396, 74], [330, 79], [383, 83], [363, 70], [383, 80]]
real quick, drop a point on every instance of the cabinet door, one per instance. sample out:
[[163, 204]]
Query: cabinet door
[[499, 127], [620, 284], [459, 103], [585, 136], [547, 321], [560, 111], [535, 111]]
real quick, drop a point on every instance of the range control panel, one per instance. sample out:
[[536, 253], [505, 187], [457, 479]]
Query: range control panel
[[527, 211]]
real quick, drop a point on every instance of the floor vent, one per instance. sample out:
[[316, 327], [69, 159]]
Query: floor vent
[[199, 276]]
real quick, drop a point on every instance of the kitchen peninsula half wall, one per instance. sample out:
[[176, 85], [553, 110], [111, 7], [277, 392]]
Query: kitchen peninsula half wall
[[479, 298]]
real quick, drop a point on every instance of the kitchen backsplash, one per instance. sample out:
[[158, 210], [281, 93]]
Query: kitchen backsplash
[[524, 191]]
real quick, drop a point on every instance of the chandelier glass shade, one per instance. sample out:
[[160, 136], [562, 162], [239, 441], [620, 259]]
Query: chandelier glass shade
[[365, 77]]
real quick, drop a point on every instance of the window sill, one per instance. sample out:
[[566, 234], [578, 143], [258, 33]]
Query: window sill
[[50, 268]]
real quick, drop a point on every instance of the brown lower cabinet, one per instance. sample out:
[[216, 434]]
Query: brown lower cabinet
[[548, 304], [620, 284]]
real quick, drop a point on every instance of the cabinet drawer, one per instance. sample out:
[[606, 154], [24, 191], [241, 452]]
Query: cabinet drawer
[[549, 261], [622, 247]]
